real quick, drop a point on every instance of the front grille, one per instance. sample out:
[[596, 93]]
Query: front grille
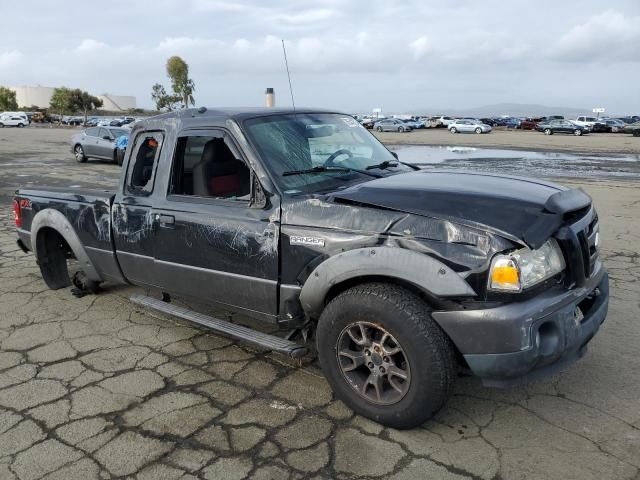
[[578, 242], [587, 238]]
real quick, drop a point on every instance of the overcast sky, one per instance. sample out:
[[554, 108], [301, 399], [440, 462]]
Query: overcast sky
[[352, 55]]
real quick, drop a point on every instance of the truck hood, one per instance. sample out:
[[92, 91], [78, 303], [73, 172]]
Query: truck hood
[[522, 209]]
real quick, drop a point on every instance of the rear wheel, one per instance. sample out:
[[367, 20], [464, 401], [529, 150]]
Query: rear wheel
[[52, 259], [453, 130], [400, 129], [1, 125], [384, 356], [577, 132], [478, 130], [548, 131], [20, 125], [379, 129], [78, 152]]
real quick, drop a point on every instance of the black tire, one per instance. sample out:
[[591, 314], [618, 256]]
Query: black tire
[[379, 129], [120, 156], [52, 259], [428, 352], [478, 130], [577, 132], [548, 131], [78, 152], [20, 125], [453, 130], [400, 129]]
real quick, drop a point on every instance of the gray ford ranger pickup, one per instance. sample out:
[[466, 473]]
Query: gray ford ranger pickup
[[405, 277]]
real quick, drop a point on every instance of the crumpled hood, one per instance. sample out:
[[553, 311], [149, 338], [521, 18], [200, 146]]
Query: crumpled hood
[[525, 209]]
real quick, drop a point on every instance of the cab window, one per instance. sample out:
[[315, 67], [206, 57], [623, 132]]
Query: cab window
[[143, 163]]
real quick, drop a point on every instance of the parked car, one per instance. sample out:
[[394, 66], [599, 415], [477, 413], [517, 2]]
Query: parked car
[[530, 123], [96, 142], [392, 125], [22, 115], [589, 122], [614, 125], [402, 277], [12, 120], [489, 121], [633, 128], [561, 126], [414, 124], [468, 125], [443, 121]]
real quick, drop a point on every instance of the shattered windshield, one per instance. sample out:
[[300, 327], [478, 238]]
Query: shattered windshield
[[318, 143]]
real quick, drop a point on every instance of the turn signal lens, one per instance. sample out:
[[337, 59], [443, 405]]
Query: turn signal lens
[[505, 274]]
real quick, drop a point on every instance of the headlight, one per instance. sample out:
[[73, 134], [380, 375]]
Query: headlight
[[525, 267]]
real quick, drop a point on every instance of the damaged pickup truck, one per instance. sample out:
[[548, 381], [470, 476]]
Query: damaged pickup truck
[[302, 218]]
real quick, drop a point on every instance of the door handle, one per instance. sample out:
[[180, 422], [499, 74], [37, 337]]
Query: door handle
[[165, 220]]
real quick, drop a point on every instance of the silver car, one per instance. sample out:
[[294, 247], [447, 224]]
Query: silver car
[[392, 125], [96, 142], [468, 125]]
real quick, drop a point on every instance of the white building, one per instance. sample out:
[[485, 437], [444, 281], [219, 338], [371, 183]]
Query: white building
[[39, 96], [117, 103]]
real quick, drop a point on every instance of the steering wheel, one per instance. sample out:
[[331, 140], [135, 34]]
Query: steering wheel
[[343, 151]]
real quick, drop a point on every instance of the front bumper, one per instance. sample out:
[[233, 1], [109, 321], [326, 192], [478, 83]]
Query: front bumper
[[523, 341]]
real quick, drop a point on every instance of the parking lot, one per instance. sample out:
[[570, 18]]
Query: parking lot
[[96, 387]]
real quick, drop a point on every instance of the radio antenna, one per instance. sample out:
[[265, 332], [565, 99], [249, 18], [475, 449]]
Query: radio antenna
[[286, 64]]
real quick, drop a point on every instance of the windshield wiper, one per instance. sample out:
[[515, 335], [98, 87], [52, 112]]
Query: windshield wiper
[[383, 165], [322, 169]]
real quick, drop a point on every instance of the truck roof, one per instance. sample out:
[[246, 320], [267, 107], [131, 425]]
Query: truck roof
[[236, 113]]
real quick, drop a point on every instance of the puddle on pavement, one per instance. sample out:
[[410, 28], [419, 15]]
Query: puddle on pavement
[[516, 162]]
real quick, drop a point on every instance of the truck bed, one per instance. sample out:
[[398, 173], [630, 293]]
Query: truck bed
[[89, 214]]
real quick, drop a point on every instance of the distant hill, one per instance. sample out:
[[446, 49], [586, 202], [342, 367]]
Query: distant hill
[[511, 109]]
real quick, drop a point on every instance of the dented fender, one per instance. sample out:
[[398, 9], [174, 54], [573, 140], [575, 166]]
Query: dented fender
[[57, 221], [421, 270]]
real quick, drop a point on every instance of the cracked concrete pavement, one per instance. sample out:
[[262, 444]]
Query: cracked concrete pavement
[[98, 388]]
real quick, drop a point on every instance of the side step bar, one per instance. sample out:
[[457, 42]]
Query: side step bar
[[264, 340]]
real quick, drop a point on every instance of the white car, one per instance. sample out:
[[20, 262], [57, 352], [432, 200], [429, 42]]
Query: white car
[[443, 120], [12, 120], [468, 125], [587, 122]]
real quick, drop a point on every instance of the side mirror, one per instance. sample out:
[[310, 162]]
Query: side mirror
[[107, 137]]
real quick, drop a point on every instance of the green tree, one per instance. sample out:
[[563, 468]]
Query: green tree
[[81, 101], [163, 100], [7, 99], [181, 84], [60, 102]]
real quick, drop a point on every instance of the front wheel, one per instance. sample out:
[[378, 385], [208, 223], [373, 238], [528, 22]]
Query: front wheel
[[478, 130], [384, 356], [379, 129], [78, 152], [453, 130], [577, 132], [20, 125], [547, 131], [400, 129]]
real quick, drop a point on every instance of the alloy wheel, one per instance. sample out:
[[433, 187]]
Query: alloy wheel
[[373, 363]]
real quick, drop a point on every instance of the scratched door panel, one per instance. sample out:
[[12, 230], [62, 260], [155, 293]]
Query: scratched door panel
[[221, 250]]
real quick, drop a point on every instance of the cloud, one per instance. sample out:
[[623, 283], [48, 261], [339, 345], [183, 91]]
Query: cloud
[[608, 37], [305, 17], [10, 58], [420, 47], [90, 45]]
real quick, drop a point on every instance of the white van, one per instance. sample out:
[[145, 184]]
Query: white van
[[9, 119], [17, 115]]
